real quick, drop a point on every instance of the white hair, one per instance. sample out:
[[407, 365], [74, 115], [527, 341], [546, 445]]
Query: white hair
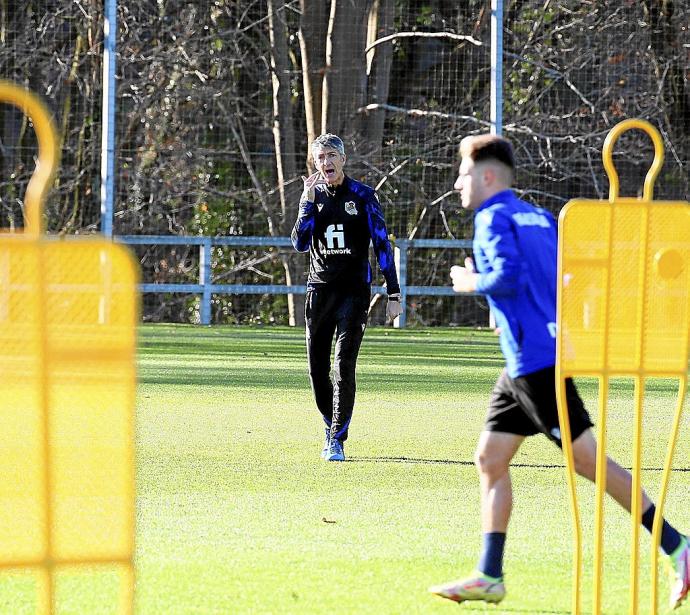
[[328, 140]]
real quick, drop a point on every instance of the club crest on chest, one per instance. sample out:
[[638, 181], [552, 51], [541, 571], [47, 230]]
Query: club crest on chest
[[351, 208]]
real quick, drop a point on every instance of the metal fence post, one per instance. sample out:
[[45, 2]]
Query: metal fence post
[[496, 82], [108, 113], [497, 67], [401, 265], [205, 280]]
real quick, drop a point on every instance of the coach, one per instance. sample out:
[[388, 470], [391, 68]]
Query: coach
[[338, 219]]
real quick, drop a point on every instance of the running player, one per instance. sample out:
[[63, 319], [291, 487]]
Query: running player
[[515, 250]]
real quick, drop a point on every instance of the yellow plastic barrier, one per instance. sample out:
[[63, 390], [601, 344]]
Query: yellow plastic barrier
[[68, 314], [623, 310]]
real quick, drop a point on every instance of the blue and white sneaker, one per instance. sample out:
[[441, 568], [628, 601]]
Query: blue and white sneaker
[[326, 444], [335, 451]]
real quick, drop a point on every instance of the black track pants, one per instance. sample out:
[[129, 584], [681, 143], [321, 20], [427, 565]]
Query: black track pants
[[342, 313]]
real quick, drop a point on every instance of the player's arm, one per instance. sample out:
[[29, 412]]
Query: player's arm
[[500, 249], [384, 256], [382, 246], [464, 278], [304, 226]]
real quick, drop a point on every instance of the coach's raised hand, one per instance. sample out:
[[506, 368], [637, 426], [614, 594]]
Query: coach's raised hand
[[309, 182]]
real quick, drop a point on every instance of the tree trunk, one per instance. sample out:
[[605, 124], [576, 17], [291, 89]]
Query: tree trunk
[[283, 124], [339, 77], [284, 138], [345, 82], [379, 62], [295, 275], [312, 42]]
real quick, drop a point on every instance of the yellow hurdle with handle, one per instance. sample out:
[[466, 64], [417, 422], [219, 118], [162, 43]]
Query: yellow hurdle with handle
[[68, 316], [623, 311]]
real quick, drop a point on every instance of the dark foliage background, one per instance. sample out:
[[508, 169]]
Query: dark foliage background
[[217, 101]]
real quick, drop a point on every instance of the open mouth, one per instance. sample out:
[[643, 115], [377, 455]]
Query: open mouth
[[329, 174]]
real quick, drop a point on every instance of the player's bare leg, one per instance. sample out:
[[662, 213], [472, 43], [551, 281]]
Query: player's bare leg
[[619, 487], [492, 458], [618, 480]]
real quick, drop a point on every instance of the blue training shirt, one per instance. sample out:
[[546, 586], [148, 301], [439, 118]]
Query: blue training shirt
[[515, 251]]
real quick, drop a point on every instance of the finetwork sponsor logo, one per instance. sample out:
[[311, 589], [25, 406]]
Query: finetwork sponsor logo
[[335, 236], [335, 240]]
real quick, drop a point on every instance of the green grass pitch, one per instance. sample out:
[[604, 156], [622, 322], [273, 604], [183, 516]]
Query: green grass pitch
[[236, 512]]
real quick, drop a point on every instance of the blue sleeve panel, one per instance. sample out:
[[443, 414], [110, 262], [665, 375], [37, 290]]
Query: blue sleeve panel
[[304, 226], [515, 251], [382, 246], [499, 252]]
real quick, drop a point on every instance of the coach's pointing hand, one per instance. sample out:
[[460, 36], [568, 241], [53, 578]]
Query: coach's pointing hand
[[309, 183]]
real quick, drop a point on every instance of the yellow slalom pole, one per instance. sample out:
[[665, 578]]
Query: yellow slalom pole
[[566, 442], [600, 485], [637, 250], [636, 495], [657, 163], [48, 153], [648, 195], [127, 589], [601, 474], [45, 590], [36, 192], [661, 500]]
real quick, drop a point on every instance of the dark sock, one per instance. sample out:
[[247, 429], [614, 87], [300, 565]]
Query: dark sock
[[491, 559], [670, 538]]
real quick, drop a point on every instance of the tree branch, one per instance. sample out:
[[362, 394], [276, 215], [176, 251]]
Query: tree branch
[[450, 35], [422, 113]]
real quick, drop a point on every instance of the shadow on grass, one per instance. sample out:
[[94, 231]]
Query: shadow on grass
[[460, 462], [503, 609], [531, 611]]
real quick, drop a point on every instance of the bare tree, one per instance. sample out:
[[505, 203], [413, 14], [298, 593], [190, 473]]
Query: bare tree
[[340, 77], [670, 60], [285, 148], [313, 26], [379, 64]]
